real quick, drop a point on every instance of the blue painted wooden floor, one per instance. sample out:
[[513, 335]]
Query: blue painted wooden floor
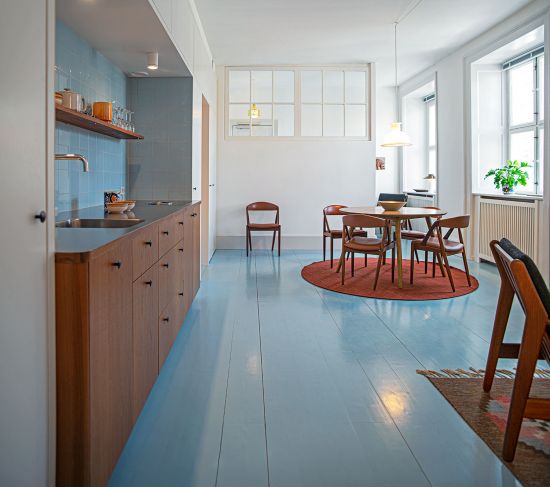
[[274, 382]]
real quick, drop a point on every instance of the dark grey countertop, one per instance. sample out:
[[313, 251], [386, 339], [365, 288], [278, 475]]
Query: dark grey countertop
[[82, 240]]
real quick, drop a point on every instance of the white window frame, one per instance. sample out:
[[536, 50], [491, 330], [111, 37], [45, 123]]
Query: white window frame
[[369, 97], [536, 125], [428, 104]]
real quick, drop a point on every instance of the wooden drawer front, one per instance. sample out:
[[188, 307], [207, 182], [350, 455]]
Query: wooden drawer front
[[168, 330], [145, 249], [169, 232], [179, 217], [145, 339], [168, 273]]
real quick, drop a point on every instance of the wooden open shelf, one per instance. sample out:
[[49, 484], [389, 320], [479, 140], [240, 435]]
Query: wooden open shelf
[[72, 117]]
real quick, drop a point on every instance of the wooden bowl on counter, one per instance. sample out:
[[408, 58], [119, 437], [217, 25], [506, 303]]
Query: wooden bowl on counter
[[392, 205], [117, 207], [130, 203]]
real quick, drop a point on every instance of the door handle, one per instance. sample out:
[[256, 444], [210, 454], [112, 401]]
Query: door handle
[[149, 283], [195, 188], [41, 216]]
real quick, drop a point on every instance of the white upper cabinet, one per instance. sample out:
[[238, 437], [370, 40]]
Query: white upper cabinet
[[202, 66], [164, 9], [183, 30]]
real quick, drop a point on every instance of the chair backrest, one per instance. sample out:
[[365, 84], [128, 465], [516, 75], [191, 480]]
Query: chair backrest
[[262, 206], [331, 210], [364, 221], [452, 224], [392, 197], [518, 270]]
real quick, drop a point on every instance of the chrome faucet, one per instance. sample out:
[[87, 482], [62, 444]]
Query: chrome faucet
[[64, 157]]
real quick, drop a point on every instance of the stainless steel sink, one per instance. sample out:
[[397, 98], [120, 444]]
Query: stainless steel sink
[[98, 223]]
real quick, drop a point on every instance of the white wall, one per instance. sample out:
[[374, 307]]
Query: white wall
[[387, 181], [302, 177], [453, 84]]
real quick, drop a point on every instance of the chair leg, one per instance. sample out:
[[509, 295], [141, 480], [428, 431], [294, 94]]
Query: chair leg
[[441, 265], [527, 361], [505, 299], [366, 259], [380, 258], [393, 264], [466, 268], [411, 278], [247, 232], [448, 267], [250, 240], [352, 264], [341, 259], [384, 258], [416, 255], [425, 262], [331, 251], [325, 249], [279, 242], [433, 265], [343, 264], [273, 241]]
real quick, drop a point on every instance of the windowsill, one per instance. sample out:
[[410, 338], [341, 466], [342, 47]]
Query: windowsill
[[513, 196]]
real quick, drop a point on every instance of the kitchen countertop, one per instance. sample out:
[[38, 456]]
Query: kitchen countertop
[[85, 240]]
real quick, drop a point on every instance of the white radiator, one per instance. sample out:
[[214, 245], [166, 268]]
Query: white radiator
[[515, 220]]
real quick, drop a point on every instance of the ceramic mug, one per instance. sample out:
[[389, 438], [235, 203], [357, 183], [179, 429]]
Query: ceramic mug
[[110, 197]]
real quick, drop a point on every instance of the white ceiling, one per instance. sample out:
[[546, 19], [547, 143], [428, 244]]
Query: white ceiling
[[267, 32]]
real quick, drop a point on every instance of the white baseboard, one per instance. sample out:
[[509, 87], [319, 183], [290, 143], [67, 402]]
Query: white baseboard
[[263, 242]]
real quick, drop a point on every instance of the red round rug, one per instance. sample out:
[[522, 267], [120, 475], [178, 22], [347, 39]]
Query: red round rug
[[425, 287]]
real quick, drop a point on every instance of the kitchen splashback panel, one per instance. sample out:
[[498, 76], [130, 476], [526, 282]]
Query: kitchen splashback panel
[[86, 71]]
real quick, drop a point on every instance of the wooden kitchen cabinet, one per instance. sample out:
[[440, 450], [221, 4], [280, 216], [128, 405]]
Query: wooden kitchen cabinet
[[145, 337], [118, 312]]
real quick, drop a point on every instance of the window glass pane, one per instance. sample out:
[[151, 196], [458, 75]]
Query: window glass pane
[[283, 120], [540, 176], [262, 86], [521, 94], [311, 86], [431, 124], [432, 161], [283, 86], [356, 125], [333, 87], [333, 120], [522, 148], [239, 86], [312, 120], [263, 124], [239, 121], [540, 71], [356, 89]]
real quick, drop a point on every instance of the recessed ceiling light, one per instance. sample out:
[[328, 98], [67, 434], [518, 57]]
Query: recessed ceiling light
[[152, 60], [139, 74]]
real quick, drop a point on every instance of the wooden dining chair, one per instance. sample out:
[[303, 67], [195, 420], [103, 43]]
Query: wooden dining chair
[[408, 233], [520, 277], [333, 234], [364, 245], [263, 227], [442, 246]]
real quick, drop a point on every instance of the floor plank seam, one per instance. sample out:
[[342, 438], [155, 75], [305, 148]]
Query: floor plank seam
[[262, 370]]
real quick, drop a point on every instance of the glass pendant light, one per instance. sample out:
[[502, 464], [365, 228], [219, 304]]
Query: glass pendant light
[[396, 137], [254, 112]]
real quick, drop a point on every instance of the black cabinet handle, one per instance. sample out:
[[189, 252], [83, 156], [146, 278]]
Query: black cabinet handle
[[149, 283], [181, 223], [166, 320], [166, 232], [180, 294], [181, 250], [166, 265], [117, 264], [149, 243], [41, 216]]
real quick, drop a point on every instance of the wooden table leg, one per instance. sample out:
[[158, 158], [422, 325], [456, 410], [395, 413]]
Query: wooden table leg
[[399, 253]]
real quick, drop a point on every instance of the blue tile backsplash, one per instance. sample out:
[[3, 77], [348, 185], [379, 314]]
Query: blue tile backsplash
[[86, 71]]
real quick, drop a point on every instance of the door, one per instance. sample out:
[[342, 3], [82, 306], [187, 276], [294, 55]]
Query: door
[[205, 181], [196, 218], [27, 361], [111, 371]]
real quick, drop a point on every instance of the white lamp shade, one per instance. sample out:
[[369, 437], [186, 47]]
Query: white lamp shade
[[395, 137], [152, 60]]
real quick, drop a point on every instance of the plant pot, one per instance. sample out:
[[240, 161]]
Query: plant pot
[[507, 190]]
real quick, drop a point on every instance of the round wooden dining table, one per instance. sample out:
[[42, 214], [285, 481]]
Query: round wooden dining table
[[405, 213]]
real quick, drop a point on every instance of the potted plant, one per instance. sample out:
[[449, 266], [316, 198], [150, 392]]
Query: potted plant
[[509, 176]]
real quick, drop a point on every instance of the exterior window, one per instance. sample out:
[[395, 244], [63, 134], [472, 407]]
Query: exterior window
[[297, 102], [431, 136], [526, 119]]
